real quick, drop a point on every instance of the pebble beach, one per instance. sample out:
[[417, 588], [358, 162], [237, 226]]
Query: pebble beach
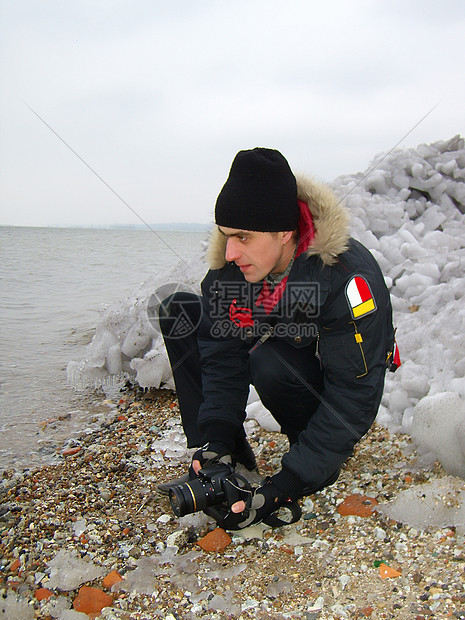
[[92, 537]]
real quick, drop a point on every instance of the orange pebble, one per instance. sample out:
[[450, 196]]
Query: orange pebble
[[386, 572], [111, 579], [217, 540], [71, 451], [91, 600], [43, 594], [15, 565], [359, 505]]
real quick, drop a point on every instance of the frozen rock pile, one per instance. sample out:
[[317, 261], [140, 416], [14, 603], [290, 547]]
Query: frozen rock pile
[[408, 209], [127, 339]]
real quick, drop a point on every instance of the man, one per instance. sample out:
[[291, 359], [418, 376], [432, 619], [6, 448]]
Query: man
[[294, 306]]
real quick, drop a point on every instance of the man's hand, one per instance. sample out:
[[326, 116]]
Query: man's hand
[[266, 499], [211, 453]]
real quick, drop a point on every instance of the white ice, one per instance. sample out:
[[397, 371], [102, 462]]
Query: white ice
[[436, 504], [16, 607], [445, 436], [68, 571]]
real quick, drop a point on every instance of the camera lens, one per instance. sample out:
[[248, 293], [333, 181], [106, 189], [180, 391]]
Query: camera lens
[[177, 501], [191, 496]]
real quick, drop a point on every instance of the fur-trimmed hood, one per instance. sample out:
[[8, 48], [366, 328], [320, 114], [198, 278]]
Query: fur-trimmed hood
[[330, 220]]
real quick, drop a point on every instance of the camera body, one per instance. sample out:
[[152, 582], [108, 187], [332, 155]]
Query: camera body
[[215, 485]]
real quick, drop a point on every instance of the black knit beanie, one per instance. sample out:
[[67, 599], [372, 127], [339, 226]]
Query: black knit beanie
[[260, 193]]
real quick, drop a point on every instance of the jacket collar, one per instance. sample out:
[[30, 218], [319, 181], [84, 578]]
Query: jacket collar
[[330, 220]]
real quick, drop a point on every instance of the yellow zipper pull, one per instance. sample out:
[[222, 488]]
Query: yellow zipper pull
[[358, 335]]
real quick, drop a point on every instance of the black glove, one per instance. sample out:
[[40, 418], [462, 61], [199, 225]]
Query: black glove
[[211, 454], [265, 501]]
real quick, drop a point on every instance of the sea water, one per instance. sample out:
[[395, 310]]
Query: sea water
[[54, 283]]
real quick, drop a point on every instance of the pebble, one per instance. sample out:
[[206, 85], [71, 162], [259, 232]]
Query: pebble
[[164, 519], [344, 579], [135, 552], [91, 600], [379, 533], [317, 604], [358, 505], [387, 572], [215, 541], [178, 539], [71, 451], [43, 594], [111, 579]]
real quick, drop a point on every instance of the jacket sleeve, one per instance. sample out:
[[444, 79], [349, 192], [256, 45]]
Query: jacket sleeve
[[353, 358], [224, 362]]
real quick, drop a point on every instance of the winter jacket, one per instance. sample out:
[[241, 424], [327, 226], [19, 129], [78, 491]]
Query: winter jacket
[[335, 300]]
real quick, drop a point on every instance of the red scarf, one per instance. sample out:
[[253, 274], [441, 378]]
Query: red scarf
[[269, 297]]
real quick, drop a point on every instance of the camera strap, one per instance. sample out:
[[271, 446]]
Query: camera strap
[[290, 512]]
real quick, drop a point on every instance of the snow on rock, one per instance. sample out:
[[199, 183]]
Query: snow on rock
[[142, 580], [16, 607], [409, 213], [127, 338], [436, 504], [68, 571], [446, 439], [408, 209], [258, 412]]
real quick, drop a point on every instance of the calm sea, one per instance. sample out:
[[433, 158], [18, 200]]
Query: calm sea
[[54, 282]]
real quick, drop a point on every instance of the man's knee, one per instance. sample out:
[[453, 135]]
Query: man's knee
[[180, 314], [178, 303]]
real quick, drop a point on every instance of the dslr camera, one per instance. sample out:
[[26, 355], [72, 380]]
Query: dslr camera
[[217, 485]]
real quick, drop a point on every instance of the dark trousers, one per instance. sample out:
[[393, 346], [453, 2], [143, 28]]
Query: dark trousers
[[287, 379]]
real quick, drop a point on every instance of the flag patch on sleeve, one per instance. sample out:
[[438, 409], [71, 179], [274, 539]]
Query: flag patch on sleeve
[[360, 297]]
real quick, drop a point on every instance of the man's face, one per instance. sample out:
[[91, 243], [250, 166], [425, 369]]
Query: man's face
[[258, 253]]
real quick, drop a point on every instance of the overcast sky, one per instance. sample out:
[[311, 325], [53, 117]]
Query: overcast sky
[[157, 97]]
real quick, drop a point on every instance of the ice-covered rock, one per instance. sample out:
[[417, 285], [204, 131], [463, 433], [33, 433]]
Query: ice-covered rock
[[69, 570], [15, 607], [71, 614], [127, 339], [438, 426], [142, 580], [60, 607], [225, 603], [182, 569], [436, 504], [172, 446], [79, 527], [153, 368], [258, 412]]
